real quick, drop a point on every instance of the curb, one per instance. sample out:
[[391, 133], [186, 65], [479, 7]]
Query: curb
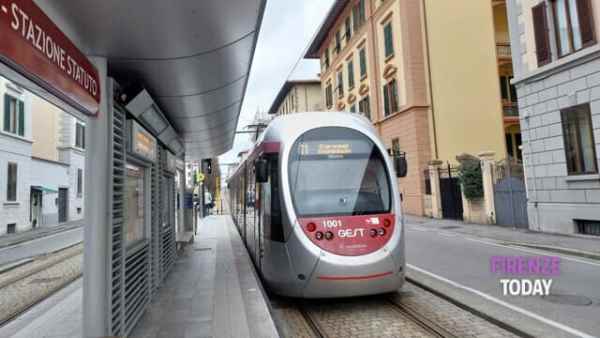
[[14, 265], [38, 236], [501, 316], [558, 249]]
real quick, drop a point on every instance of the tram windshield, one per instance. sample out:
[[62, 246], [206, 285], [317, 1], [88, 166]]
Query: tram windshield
[[338, 171]]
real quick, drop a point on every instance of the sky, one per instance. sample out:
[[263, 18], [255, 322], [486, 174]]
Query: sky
[[286, 32]]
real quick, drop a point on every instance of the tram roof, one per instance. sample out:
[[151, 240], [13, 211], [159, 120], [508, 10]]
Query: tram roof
[[193, 57]]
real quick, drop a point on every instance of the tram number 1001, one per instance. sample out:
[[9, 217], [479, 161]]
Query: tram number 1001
[[332, 223]]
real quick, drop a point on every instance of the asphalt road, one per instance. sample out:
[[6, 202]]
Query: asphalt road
[[41, 245], [466, 261]]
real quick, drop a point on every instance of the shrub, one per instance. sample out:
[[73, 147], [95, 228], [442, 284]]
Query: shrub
[[471, 179]]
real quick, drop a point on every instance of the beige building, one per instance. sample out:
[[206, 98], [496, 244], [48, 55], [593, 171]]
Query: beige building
[[412, 67], [296, 96], [57, 164]]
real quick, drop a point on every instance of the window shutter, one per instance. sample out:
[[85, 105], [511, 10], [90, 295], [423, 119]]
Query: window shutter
[[6, 112], [540, 27], [586, 22], [21, 118], [386, 100], [389, 47], [394, 96]]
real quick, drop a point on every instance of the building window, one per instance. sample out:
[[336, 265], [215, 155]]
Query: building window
[[389, 40], [14, 115], [364, 107], [390, 98], [356, 16], [328, 96], [508, 91], [395, 147], [362, 11], [353, 108], [338, 42], [348, 27], [340, 83], [579, 140], [362, 55], [588, 227], [11, 228], [573, 24], [11, 182], [79, 182], [79, 135], [513, 145], [350, 74]]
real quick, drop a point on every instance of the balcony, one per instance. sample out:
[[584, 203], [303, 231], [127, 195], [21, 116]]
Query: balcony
[[510, 109], [503, 51]]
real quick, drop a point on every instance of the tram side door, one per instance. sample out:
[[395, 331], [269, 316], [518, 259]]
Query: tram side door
[[259, 223]]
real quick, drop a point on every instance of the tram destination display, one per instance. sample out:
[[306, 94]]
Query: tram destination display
[[142, 143]]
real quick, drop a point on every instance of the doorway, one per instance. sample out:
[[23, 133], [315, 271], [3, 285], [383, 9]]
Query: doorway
[[35, 213], [63, 205]]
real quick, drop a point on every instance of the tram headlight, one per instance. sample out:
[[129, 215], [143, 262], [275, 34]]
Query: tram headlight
[[373, 233], [329, 235], [381, 232], [319, 235], [387, 223]]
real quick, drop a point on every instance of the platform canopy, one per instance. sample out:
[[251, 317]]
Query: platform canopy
[[192, 56]]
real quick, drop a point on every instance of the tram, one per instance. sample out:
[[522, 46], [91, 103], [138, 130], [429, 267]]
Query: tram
[[317, 205]]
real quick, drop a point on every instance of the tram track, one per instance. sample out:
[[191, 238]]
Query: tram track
[[413, 312], [26, 286]]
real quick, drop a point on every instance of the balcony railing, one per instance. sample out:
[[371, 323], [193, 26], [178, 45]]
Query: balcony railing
[[510, 109], [503, 50]]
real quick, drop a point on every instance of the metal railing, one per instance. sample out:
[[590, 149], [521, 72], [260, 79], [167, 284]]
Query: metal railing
[[510, 109], [503, 50]]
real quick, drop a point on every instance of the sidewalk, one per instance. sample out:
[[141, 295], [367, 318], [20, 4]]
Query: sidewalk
[[585, 246], [43, 231], [212, 291]]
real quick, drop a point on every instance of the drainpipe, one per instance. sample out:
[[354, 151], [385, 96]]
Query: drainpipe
[[375, 63], [429, 80]]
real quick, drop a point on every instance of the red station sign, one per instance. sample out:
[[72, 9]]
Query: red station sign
[[32, 44]]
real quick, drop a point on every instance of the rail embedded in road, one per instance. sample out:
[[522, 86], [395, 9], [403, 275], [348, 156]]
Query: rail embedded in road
[[25, 286], [413, 311]]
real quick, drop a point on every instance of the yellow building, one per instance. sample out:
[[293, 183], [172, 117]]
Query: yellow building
[[426, 72], [297, 96]]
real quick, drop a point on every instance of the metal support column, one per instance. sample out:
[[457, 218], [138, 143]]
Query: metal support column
[[97, 183]]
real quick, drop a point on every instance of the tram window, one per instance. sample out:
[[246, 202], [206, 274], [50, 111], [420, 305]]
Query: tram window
[[135, 208], [320, 157], [276, 220]]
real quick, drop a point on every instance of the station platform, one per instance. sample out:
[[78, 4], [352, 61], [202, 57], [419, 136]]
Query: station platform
[[212, 291]]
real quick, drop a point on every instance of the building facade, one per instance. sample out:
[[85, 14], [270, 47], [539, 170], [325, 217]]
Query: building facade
[[297, 96], [557, 73], [410, 67], [42, 155], [15, 157], [58, 164]]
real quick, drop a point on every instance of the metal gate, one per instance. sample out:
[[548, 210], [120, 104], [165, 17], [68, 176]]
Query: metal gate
[[452, 207], [510, 195]]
